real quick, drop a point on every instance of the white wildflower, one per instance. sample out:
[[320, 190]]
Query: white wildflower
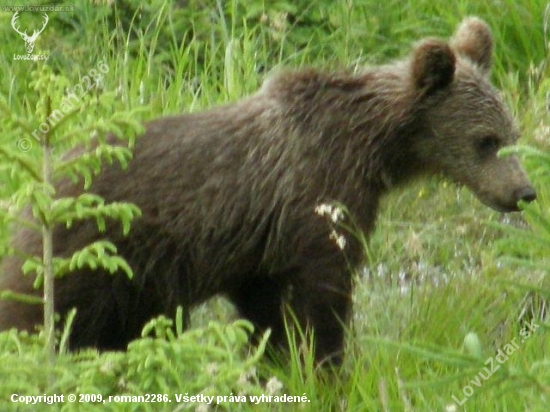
[[246, 377], [273, 386], [339, 239], [337, 214], [334, 212], [323, 209]]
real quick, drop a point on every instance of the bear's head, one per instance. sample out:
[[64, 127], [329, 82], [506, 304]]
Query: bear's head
[[464, 122]]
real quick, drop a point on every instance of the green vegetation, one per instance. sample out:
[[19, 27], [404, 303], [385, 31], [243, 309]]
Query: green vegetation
[[449, 282]]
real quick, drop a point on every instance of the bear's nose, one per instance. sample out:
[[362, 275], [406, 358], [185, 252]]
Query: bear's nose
[[527, 194]]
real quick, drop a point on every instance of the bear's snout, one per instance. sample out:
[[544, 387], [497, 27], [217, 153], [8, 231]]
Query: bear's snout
[[527, 194]]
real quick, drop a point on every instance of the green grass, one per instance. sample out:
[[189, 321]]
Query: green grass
[[439, 262]]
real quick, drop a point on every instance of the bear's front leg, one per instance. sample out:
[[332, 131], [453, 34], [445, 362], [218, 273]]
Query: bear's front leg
[[321, 303]]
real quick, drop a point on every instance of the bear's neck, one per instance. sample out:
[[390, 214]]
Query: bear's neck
[[365, 125]]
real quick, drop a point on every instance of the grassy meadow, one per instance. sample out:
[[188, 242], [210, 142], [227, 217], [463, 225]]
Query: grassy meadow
[[449, 283]]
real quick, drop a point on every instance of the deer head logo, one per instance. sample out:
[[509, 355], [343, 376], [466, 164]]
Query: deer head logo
[[29, 40]]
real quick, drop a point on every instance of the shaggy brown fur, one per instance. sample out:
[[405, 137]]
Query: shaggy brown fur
[[228, 195]]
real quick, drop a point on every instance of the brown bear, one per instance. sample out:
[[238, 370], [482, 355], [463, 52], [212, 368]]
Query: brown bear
[[229, 195]]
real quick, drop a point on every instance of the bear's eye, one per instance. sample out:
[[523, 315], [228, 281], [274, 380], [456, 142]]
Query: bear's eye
[[487, 145]]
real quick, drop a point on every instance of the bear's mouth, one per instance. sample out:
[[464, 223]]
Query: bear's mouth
[[498, 205], [504, 208], [509, 204]]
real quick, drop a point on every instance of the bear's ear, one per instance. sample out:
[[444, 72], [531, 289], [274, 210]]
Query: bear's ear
[[473, 39], [433, 65]]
